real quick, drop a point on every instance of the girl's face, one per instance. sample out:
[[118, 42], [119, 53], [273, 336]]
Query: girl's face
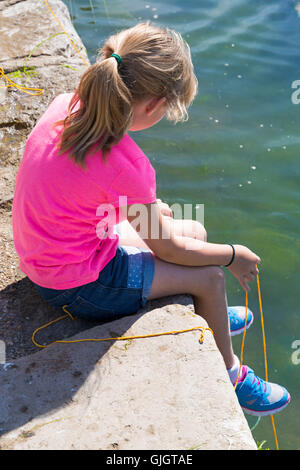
[[148, 112]]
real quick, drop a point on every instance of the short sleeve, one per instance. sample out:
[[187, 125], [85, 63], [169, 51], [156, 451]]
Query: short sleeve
[[136, 181]]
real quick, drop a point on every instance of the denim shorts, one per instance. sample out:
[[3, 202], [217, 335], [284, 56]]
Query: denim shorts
[[122, 288]]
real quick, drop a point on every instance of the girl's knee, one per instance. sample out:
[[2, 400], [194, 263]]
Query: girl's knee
[[199, 231], [214, 279], [189, 228]]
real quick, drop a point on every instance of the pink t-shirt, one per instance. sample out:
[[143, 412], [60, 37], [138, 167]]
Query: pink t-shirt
[[61, 211]]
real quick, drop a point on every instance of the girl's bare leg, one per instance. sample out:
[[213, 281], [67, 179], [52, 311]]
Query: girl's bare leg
[[206, 284]]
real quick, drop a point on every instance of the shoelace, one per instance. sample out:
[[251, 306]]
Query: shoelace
[[261, 385]]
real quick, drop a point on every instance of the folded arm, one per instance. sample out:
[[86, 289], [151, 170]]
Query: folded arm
[[152, 226]]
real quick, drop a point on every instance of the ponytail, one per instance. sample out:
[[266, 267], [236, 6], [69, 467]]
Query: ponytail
[[156, 62], [104, 114]]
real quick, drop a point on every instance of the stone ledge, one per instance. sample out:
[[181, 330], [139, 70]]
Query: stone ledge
[[166, 392]]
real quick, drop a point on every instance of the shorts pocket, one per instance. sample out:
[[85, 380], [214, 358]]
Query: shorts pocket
[[86, 309]]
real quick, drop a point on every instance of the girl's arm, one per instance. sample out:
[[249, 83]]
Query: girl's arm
[[156, 233]]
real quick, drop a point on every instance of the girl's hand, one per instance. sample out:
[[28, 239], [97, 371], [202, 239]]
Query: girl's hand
[[244, 265], [164, 208]]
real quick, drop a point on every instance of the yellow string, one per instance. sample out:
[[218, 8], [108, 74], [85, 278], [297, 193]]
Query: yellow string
[[265, 352], [243, 341], [28, 90], [40, 91], [117, 338], [264, 345], [68, 36]]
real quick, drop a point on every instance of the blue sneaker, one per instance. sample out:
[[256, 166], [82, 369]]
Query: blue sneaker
[[260, 398], [237, 319]]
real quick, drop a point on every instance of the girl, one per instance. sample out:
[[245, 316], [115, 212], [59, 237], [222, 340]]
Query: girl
[[78, 168]]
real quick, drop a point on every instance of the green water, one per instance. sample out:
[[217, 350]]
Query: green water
[[238, 155]]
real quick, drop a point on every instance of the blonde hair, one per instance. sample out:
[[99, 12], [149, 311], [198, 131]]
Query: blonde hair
[[156, 62]]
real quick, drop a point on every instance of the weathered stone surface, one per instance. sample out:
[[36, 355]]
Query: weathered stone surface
[[26, 25], [167, 392], [34, 53]]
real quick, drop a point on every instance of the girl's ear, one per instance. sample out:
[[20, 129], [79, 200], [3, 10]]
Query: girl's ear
[[154, 104]]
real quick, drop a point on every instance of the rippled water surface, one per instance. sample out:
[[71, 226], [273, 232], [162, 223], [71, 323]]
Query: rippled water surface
[[238, 155]]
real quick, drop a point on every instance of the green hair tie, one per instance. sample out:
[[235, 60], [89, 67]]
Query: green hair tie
[[117, 57]]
